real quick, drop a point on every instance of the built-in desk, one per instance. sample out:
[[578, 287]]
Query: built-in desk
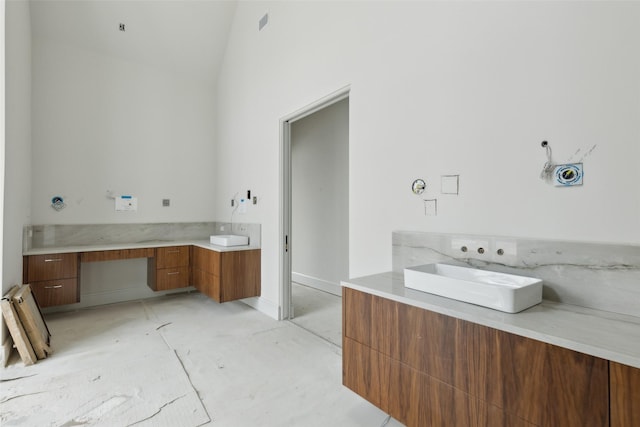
[[54, 273]]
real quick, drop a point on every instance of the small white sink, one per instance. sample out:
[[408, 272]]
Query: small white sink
[[500, 291], [229, 240]]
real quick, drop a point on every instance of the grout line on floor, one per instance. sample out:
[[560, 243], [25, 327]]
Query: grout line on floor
[[157, 412], [194, 388]]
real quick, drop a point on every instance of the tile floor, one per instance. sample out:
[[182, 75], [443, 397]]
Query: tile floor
[[182, 360]]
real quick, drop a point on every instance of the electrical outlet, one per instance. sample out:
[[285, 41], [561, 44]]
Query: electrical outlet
[[166, 202]]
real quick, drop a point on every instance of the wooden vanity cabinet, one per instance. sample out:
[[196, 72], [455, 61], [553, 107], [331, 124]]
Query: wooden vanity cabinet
[[625, 395], [424, 368], [169, 268], [54, 278], [226, 276]]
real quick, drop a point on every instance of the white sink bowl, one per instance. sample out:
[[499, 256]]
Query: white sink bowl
[[500, 291], [229, 240]]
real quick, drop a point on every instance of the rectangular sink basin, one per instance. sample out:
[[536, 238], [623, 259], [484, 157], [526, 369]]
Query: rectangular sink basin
[[229, 240], [500, 291]]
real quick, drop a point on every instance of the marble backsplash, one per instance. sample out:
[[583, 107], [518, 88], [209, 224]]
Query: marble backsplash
[[600, 276], [62, 235]]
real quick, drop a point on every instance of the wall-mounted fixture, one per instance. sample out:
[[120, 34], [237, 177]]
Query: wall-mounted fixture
[[121, 27], [418, 186], [568, 174], [57, 203]]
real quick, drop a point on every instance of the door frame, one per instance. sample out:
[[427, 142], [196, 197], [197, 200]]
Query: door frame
[[285, 240]]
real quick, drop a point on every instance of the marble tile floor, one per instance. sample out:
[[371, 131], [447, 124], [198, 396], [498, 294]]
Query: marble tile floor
[[318, 312], [181, 360]]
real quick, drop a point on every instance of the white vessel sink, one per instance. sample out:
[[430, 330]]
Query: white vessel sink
[[229, 240], [500, 291]]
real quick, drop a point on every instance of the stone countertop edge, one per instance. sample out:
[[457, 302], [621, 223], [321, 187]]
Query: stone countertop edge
[[140, 245], [611, 336]]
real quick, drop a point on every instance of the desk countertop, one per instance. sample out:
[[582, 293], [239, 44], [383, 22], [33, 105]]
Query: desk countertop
[[137, 245]]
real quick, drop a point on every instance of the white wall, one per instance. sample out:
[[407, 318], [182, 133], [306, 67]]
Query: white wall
[[17, 173], [16, 159], [467, 88], [104, 123], [320, 197]]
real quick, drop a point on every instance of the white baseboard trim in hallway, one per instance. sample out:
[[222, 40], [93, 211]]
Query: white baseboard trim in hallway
[[320, 284]]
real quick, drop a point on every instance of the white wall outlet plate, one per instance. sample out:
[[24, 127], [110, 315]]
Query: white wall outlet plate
[[126, 204], [568, 174], [450, 184]]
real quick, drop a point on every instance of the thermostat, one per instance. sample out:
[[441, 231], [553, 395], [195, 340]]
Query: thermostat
[[568, 174]]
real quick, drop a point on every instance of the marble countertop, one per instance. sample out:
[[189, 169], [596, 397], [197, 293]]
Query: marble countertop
[[137, 245], [603, 334]]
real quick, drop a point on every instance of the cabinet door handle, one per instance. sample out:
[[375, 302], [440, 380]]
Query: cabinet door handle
[[53, 259], [53, 287], [173, 273]]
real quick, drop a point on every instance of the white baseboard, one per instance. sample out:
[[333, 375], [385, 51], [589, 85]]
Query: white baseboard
[[320, 284], [263, 305]]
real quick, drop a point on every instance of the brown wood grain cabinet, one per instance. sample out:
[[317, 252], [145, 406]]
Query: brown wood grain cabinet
[[226, 276], [54, 278], [625, 395], [169, 269], [428, 369]]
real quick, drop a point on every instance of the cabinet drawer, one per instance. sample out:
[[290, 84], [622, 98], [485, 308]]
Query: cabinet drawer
[[173, 256], [172, 278], [56, 292], [53, 266]]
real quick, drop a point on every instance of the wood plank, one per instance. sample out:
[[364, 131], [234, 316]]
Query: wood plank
[[32, 321], [625, 395], [116, 254], [19, 335]]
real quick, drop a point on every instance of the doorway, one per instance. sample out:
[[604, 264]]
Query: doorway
[[314, 242]]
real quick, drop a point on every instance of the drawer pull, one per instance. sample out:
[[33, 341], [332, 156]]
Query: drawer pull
[[53, 260], [53, 287], [173, 273], [173, 252]]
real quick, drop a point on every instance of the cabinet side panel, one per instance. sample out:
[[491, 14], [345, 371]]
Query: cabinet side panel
[[625, 395]]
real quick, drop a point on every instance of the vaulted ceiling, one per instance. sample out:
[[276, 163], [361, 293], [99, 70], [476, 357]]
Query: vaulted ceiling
[[186, 36]]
